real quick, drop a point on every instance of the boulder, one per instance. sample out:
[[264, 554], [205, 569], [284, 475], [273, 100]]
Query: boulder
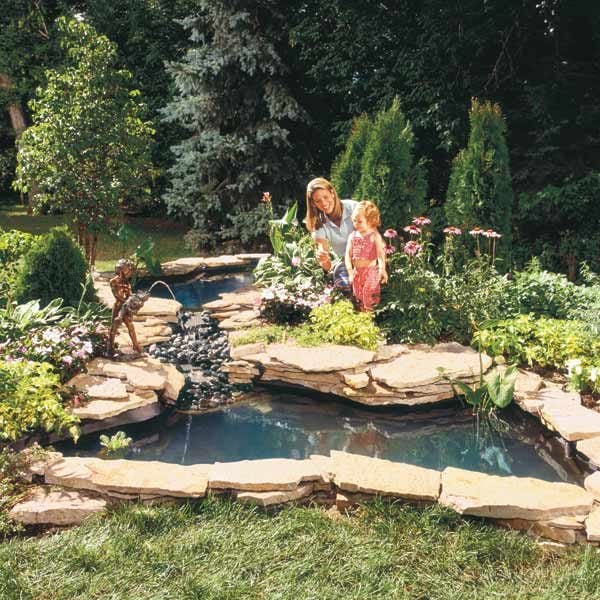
[[130, 477], [356, 473], [482, 495], [43, 506]]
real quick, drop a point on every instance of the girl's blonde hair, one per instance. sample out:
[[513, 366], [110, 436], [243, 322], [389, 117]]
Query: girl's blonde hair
[[315, 218], [370, 211]]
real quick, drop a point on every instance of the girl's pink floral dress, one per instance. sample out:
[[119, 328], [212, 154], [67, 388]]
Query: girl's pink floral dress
[[365, 286]]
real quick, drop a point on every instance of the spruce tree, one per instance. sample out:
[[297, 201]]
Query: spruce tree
[[233, 99], [480, 189], [390, 176], [346, 170]]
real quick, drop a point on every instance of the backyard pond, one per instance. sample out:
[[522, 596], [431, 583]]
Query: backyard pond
[[285, 425]]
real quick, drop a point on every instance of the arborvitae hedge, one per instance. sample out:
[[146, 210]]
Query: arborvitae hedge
[[480, 190], [390, 176], [346, 170], [54, 268]]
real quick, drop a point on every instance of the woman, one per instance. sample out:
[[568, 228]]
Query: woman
[[329, 221]]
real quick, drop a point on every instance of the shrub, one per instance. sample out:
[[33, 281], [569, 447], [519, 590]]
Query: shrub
[[339, 323], [480, 190], [346, 170], [54, 268], [291, 303], [583, 378], [265, 333], [30, 400], [13, 245], [390, 176]]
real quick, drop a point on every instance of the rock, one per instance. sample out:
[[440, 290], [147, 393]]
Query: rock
[[99, 387], [482, 495], [239, 352], [325, 358], [105, 409], [592, 525], [144, 373], [264, 475], [540, 529], [130, 477], [35, 461], [527, 383], [573, 421], [389, 351], [591, 449], [355, 473], [592, 485], [419, 367], [553, 547], [275, 497], [175, 381], [356, 380], [43, 506]]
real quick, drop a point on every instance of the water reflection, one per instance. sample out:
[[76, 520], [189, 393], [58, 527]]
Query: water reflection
[[290, 426]]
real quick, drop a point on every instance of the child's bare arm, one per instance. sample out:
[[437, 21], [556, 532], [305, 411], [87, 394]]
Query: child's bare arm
[[348, 259], [383, 277]]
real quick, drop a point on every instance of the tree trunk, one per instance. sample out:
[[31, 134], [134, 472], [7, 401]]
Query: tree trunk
[[92, 261], [17, 120]]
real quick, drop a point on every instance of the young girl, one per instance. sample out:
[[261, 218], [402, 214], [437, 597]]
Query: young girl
[[365, 256]]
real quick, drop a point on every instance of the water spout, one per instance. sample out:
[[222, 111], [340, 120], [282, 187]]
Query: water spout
[[166, 285]]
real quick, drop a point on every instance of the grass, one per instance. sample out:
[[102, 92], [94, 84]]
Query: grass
[[219, 549], [167, 235]]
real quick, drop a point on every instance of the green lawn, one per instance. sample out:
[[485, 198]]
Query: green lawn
[[167, 235], [219, 549]]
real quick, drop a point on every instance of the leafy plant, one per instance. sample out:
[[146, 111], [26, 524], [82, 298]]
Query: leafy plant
[[13, 245], [116, 445], [265, 333], [31, 400], [339, 323]]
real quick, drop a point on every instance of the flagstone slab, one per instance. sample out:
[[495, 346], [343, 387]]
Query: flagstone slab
[[325, 358], [356, 473], [573, 421], [97, 409], [541, 529], [145, 373], [43, 506], [102, 388], [592, 484], [264, 475], [483, 495], [592, 525], [419, 367], [130, 477], [591, 449], [276, 497]]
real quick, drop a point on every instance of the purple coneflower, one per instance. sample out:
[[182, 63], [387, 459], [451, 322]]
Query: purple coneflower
[[390, 233], [412, 229], [420, 221], [412, 248], [390, 250], [490, 233], [451, 230], [476, 231]]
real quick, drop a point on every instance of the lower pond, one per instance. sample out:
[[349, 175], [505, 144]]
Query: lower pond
[[282, 425]]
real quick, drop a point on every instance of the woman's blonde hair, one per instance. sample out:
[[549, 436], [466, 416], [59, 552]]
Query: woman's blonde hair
[[315, 218], [370, 211]]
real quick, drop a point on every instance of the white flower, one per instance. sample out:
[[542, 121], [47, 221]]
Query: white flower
[[574, 366], [594, 372], [52, 335], [87, 347]]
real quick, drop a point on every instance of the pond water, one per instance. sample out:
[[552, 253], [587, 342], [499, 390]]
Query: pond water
[[283, 425], [193, 294]]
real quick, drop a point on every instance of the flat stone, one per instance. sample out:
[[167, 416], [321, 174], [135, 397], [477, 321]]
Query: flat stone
[[175, 380], [328, 357], [145, 373], [592, 485], [238, 352], [540, 529], [264, 475], [35, 462], [389, 351], [97, 409], [482, 495], [592, 526], [356, 473], [275, 497], [160, 307], [356, 380], [527, 383], [43, 506], [419, 367], [99, 387], [573, 421], [591, 449], [226, 260], [130, 477]]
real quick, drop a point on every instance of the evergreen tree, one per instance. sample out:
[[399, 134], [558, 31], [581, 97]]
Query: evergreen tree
[[234, 100], [390, 176], [345, 172], [480, 190]]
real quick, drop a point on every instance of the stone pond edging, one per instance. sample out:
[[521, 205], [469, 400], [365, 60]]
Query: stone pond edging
[[561, 512]]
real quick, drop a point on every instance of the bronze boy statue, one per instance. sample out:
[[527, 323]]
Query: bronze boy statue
[[123, 311]]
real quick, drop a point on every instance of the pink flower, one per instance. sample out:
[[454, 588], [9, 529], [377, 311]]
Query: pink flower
[[490, 233], [412, 248], [266, 198], [296, 261], [420, 221], [390, 250], [412, 229], [67, 360], [390, 233], [476, 231], [451, 230]]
